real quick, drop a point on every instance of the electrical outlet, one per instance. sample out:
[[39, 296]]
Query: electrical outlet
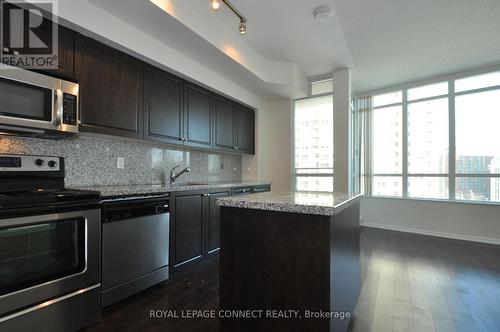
[[120, 162]]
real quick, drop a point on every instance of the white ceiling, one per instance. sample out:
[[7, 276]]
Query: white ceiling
[[285, 30], [397, 41], [385, 42]]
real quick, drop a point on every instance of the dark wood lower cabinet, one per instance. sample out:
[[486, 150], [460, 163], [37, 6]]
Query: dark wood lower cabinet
[[188, 229], [196, 227], [213, 223]]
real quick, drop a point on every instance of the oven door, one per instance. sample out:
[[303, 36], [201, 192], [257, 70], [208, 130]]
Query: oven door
[[29, 101], [47, 256]]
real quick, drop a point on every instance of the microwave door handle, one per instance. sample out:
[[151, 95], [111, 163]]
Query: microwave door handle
[[58, 107]]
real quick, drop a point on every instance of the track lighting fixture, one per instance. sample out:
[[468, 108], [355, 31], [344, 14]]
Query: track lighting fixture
[[243, 20]]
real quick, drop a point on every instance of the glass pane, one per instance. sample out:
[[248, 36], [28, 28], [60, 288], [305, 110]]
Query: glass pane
[[25, 101], [387, 144], [36, 254], [314, 170], [478, 188], [314, 133], [320, 87], [428, 137], [388, 98], [428, 187], [314, 183], [432, 90], [387, 186], [477, 134], [477, 82]]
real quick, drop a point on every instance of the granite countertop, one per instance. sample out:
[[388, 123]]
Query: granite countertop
[[131, 190], [315, 203]]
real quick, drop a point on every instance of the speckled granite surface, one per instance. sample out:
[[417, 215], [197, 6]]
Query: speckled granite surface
[[116, 191], [325, 204], [93, 161]]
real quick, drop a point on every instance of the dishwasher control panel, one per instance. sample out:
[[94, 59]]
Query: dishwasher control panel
[[115, 211]]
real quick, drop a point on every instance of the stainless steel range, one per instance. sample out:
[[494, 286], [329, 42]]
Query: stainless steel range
[[50, 240]]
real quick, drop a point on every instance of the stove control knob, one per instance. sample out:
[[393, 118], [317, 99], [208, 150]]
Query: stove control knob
[[39, 162], [52, 164]]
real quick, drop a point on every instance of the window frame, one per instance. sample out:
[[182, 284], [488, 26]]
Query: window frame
[[452, 175], [294, 169]]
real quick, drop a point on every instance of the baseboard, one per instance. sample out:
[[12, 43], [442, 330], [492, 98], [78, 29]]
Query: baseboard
[[471, 238]]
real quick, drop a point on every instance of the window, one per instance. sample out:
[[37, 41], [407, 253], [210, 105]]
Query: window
[[313, 144], [438, 141], [321, 87]]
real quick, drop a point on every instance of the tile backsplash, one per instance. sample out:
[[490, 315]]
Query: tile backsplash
[[93, 161]]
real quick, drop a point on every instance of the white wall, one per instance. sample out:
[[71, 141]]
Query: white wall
[[466, 221], [273, 159], [341, 129]]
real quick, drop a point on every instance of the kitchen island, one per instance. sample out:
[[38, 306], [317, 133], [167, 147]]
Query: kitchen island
[[291, 259]]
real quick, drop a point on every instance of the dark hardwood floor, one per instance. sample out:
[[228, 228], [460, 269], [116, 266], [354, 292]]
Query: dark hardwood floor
[[411, 283], [421, 283]]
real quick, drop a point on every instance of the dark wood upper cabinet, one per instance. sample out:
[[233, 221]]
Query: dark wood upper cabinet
[[110, 89], [197, 116], [122, 96], [245, 129], [65, 55], [188, 231], [224, 124], [163, 111]]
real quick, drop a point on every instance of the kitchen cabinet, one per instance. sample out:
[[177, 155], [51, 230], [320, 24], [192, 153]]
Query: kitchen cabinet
[[65, 49], [224, 124], [234, 127], [122, 96], [163, 111], [65, 55], [188, 228], [213, 222], [110, 89], [197, 116], [196, 225], [245, 129]]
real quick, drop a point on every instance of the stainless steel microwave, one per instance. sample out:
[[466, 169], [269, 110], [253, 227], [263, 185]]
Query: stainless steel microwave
[[32, 103]]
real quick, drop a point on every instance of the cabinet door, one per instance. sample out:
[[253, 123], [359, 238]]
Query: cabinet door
[[245, 130], [197, 116], [188, 229], [213, 223], [224, 124], [162, 106], [110, 89], [43, 32], [65, 55]]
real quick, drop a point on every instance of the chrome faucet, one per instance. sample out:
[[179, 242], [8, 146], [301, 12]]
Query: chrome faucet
[[174, 176]]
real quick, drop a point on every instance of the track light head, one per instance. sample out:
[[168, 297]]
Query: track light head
[[243, 27], [215, 4]]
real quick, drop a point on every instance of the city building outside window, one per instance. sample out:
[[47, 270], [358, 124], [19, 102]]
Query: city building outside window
[[313, 139]]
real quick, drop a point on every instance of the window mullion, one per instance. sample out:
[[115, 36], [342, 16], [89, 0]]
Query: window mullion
[[405, 143], [452, 147]]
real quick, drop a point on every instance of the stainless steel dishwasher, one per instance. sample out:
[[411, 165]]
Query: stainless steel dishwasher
[[135, 242]]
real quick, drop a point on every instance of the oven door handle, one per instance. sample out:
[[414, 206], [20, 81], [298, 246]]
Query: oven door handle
[[58, 104]]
